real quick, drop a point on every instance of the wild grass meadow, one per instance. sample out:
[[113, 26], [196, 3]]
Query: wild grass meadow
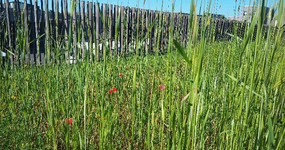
[[207, 95]]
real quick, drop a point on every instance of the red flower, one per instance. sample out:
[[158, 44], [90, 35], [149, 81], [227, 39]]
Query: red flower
[[113, 90], [161, 87], [120, 75], [69, 121]]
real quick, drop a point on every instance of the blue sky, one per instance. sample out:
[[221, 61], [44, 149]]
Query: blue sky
[[225, 7]]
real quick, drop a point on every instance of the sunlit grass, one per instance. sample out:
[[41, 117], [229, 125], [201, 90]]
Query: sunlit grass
[[207, 95]]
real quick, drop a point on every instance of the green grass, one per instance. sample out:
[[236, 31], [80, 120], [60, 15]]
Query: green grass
[[218, 95], [36, 101]]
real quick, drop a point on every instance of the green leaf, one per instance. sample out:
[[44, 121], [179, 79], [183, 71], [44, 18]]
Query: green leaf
[[279, 82], [181, 51], [246, 86], [271, 135]]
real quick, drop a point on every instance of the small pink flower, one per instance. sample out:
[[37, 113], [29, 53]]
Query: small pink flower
[[161, 87]]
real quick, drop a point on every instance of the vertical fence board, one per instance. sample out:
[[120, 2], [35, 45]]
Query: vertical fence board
[[66, 30], [133, 28], [8, 27], [56, 21], [2, 34], [104, 30], [47, 32], [52, 31], [91, 36], [116, 29], [74, 28], [110, 28], [122, 30], [97, 31], [36, 32], [26, 30], [141, 30], [83, 29], [32, 34], [151, 32], [147, 29], [127, 15], [13, 27], [155, 30], [42, 32]]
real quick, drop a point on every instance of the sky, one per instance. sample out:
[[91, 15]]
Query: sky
[[224, 7]]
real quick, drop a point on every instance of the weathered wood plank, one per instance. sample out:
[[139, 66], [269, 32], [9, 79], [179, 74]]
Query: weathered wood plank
[[47, 32], [74, 29], [52, 32], [36, 32], [147, 29], [83, 29], [31, 32], [116, 29], [90, 33], [8, 27], [67, 53], [133, 28], [56, 21], [127, 30], [151, 32], [97, 32], [42, 31], [110, 28], [122, 31], [104, 31]]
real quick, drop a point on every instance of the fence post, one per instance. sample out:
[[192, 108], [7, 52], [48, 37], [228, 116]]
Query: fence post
[[122, 31], [104, 31], [74, 28], [127, 30], [47, 32], [83, 29], [91, 37], [97, 31], [8, 26], [110, 28]]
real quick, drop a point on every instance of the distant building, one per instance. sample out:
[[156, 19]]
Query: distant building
[[237, 18], [248, 12]]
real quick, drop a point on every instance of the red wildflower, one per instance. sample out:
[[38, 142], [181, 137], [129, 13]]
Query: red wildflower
[[111, 91], [120, 75], [115, 89], [161, 87], [69, 121]]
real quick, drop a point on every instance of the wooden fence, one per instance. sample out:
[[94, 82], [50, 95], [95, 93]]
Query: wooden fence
[[36, 36]]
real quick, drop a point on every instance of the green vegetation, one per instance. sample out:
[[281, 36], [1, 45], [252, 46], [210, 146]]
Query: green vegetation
[[218, 95]]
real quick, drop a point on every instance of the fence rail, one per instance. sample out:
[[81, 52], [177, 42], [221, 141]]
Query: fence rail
[[97, 29]]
